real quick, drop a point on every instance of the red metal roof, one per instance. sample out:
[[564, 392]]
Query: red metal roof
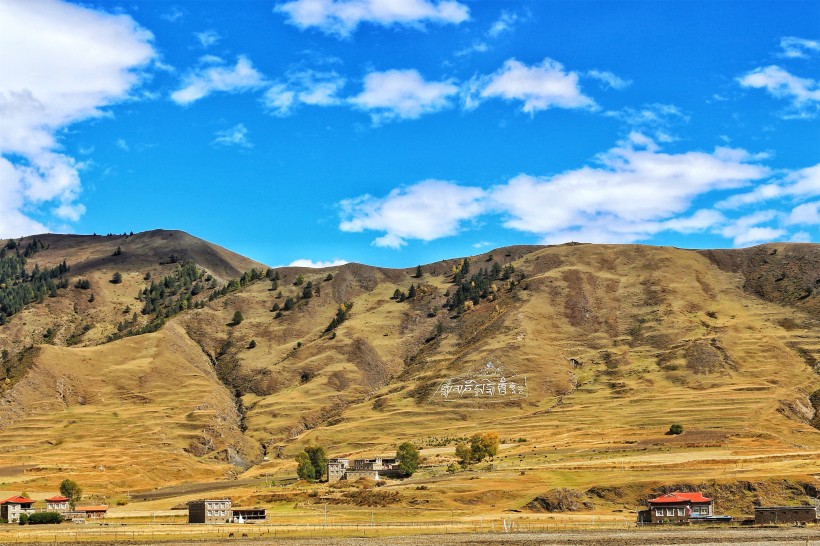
[[57, 499], [17, 500], [677, 498]]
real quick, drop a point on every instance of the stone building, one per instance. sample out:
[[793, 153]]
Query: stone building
[[786, 514], [210, 511], [375, 468]]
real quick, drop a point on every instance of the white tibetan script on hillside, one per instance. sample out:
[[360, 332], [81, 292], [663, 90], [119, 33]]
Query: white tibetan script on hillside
[[490, 383]]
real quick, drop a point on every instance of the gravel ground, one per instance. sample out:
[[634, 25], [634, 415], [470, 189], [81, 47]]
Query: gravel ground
[[784, 536]]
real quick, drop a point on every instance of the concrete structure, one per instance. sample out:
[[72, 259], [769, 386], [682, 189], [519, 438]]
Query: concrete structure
[[249, 515], [375, 469], [12, 508], [91, 512], [336, 469], [210, 511], [679, 508], [58, 504], [786, 514]]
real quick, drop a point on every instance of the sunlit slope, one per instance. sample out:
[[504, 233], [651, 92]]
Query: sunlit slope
[[124, 415], [616, 344], [660, 336]]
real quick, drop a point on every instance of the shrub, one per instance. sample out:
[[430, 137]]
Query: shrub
[[45, 518], [116, 278], [675, 429], [23, 519], [237, 318]]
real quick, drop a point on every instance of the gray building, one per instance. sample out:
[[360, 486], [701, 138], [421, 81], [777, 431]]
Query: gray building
[[210, 511]]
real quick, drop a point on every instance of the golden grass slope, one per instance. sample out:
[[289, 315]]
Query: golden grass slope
[[616, 342]]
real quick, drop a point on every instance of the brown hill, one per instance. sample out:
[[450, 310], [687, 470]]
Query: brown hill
[[609, 345], [140, 252]]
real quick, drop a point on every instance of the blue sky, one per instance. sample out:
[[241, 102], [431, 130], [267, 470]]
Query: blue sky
[[397, 132]]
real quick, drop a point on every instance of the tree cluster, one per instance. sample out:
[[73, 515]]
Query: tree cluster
[[481, 446], [342, 314], [479, 286], [311, 463], [18, 286]]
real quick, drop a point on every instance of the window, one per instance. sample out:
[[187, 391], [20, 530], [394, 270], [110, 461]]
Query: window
[[658, 511], [680, 511], [670, 511]]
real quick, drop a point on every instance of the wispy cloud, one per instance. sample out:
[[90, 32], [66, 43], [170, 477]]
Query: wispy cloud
[[233, 136], [308, 87], [505, 23], [342, 17], [632, 192], [792, 47], [402, 94], [800, 184], [608, 79], [803, 93], [207, 38], [537, 87], [212, 76]]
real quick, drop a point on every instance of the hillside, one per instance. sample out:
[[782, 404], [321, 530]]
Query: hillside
[[610, 345]]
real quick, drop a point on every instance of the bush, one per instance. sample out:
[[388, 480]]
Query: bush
[[23, 519], [45, 518], [237, 318], [675, 429], [116, 278]]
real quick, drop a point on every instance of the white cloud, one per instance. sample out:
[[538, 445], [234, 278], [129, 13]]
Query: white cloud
[[234, 136], [798, 48], [304, 87], [122, 145], [306, 262], [798, 184], [341, 17], [426, 211], [539, 87], [217, 77], [629, 196], [609, 79], [402, 94], [69, 63], [631, 193], [804, 93], [505, 23], [207, 38], [747, 230], [807, 213], [801, 237]]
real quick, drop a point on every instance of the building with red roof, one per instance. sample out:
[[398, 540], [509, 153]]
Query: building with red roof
[[678, 507], [58, 504], [13, 507]]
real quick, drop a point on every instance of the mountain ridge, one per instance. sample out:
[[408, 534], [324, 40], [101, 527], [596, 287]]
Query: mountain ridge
[[595, 329]]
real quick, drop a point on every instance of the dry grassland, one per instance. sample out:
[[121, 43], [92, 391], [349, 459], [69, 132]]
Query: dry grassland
[[616, 342]]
